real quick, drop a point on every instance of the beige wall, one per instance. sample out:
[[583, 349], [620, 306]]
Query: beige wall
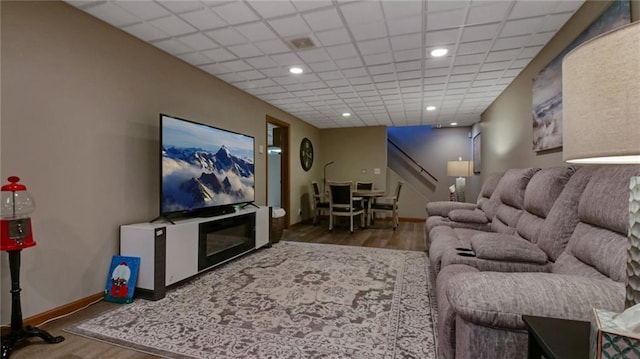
[[354, 150], [507, 124], [80, 104]]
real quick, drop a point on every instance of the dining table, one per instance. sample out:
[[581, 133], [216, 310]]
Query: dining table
[[368, 195]]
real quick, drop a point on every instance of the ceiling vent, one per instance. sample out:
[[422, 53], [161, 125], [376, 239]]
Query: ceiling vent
[[302, 43]]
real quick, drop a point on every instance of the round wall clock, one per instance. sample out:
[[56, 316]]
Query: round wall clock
[[306, 154]]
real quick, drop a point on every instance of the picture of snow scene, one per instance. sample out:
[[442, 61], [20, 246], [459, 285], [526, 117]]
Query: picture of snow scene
[[547, 84], [203, 166]]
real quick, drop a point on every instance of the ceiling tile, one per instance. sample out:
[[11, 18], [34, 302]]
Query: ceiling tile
[[142, 10], [323, 66], [488, 12], [523, 9], [287, 59], [502, 55], [245, 50], [442, 37], [555, 22], [510, 42], [290, 26], [173, 25], [227, 37], [521, 27], [466, 69], [349, 63], [476, 47], [371, 30], [405, 25], [402, 8], [377, 59], [314, 55], [218, 54], [445, 19], [113, 14], [180, 6], [195, 58], [342, 51], [540, 38], [491, 66], [333, 37], [408, 65], [197, 41], [323, 19], [312, 4], [172, 46], [145, 31], [235, 12], [272, 46], [405, 42], [407, 55], [480, 32], [530, 52], [204, 19], [361, 12], [354, 72], [469, 59], [256, 31], [262, 62], [374, 46], [269, 9]]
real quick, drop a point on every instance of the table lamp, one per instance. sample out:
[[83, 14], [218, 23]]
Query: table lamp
[[460, 169], [601, 119]]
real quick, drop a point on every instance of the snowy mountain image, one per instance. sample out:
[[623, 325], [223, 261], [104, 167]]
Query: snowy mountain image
[[194, 178], [204, 166]]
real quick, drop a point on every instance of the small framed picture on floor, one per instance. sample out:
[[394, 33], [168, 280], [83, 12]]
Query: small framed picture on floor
[[121, 280]]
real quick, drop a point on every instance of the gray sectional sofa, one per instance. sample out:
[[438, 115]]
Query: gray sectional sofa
[[555, 247]]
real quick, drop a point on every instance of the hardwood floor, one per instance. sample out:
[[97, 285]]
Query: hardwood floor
[[408, 236]]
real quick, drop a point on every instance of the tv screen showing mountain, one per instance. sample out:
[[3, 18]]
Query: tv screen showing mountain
[[204, 166]]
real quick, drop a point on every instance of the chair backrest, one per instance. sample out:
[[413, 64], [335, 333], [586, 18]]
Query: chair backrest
[[364, 185], [340, 193], [316, 189], [398, 188]]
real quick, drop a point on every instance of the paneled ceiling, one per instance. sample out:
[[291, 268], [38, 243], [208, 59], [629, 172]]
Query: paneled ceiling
[[370, 58]]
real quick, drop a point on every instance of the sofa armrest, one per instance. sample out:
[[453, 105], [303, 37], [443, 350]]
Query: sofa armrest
[[453, 256], [468, 215], [442, 208], [500, 299], [504, 247]]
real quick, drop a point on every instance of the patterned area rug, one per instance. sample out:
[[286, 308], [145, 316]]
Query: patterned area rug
[[293, 300]]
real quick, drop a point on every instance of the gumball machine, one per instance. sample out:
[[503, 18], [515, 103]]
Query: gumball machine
[[15, 235], [15, 223]]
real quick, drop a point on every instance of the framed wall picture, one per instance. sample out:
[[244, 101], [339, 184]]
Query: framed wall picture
[[121, 280], [476, 157], [547, 84]]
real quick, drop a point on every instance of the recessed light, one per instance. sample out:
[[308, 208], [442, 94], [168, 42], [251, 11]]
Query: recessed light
[[431, 108], [346, 114], [439, 52], [454, 124], [295, 70]]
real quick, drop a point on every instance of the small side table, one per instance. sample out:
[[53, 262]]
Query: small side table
[[553, 338]]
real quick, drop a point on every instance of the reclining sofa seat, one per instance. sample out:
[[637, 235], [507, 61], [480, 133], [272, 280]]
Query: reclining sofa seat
[[466, 215], [510, 190], [486, 307], [524, 251], [552, 237]]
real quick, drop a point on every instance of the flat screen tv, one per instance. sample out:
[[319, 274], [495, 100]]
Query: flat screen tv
[[205, 170]]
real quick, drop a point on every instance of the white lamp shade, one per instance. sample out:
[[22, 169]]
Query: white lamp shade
[[601, 99], [459, 168]]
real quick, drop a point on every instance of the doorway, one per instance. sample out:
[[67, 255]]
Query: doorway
[[278, 165]]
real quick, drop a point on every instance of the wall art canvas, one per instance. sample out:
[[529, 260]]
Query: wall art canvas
[[547, 84], [476, 154], [121, 280]]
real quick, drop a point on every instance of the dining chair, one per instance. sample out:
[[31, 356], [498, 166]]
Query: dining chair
[[363, 185], [320, 205], [342, 203], [387, 204]]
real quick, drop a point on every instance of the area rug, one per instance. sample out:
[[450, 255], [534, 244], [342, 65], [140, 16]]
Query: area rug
[[293, 300]]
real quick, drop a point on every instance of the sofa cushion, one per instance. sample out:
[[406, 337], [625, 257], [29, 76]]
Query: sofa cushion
[[442, 208], [514, 186], [500, 299], [465, 215], [563, 216], [502, 247], [600, 239], [544, 188]]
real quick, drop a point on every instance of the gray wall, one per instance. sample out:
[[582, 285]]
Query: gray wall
[[506, 126], [80, 103]]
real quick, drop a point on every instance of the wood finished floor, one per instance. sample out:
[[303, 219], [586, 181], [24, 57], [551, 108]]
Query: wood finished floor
[[408, 236]]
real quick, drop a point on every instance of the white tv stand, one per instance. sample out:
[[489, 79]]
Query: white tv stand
[[169, 252]]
